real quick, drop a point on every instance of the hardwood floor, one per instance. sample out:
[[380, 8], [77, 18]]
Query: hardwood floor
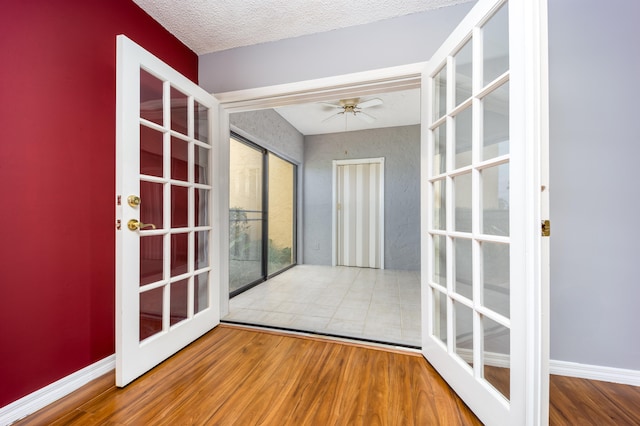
[[575, 401], [236, 376]]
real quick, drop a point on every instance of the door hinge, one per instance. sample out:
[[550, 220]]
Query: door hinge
[[546, 228], [118, 224], [119, 200]]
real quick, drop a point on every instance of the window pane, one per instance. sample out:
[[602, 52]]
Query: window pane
[[495, 36], [440, 94], [440, 316], [497, 359], [281, 210], [151, 207], [179, 300], [151, 264], [201, 249], [150, 97], [179, 159], [496, 280], [201, 122], [439, 205], [464, 267], [463, 138], [201, 197], [440, 149], [179, 206], [151, 312], [179, 111], [464, 332], [495, 137], [179, 254], [150, 152], [495, 200], [462, 191], [440, 260], [201, 292], [463, 60], [201, 165]]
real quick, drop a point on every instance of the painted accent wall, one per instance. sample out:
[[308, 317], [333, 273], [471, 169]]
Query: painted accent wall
[[594, 149], [57, 181], [400, 146]]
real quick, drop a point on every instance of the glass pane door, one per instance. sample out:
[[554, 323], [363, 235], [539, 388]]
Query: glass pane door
[[262, 211], [246, 215], [281, 214], [167, 286], [481, 277]]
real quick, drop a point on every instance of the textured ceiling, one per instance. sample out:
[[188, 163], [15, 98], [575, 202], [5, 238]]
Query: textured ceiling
[[212, 25]]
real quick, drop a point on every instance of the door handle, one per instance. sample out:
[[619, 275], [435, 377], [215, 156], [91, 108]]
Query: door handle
[[134, 225]]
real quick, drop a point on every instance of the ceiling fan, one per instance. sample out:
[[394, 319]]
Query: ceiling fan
[[353, 106]]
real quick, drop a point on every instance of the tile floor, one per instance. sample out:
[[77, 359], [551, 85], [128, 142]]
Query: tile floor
[[374, 304]]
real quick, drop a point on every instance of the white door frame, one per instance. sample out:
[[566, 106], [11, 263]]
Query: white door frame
[[325, 89], [408, 77], [335, 210]]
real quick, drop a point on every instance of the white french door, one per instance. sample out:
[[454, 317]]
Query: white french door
[[483, 164], [167, 281], [359, 212]]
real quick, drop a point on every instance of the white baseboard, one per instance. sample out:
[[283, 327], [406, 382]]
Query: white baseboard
[[566, 368], [56, 390], [595, 372]]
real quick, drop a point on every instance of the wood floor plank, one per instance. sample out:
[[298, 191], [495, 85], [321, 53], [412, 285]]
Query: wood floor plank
[[237, 376]]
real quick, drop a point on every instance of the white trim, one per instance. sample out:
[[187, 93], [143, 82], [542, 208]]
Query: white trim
[[361, 83], [595, 372], [621, 376], [33, 402]]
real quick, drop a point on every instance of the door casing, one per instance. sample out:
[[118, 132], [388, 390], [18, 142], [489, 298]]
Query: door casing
[[325, 89], [336, 210]]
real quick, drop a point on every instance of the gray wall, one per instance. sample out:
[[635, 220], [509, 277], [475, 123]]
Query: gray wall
[[595, 197], [595, 146], [268, 129], [400, 146], [398, 41]]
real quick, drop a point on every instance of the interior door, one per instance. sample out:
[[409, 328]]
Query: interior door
[[359, 212], [167, 285], [483, 280]]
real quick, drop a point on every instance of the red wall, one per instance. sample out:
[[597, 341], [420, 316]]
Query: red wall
[[57, 181]]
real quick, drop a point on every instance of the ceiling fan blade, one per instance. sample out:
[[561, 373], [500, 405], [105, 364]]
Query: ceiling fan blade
[[330, 105], [370, 103], [332, 116], [365, 117]]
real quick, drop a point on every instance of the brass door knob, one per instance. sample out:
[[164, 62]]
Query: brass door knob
[[134, 225], [133, 200]]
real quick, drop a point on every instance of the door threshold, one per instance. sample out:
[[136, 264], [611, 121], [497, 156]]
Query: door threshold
[[328, 336]]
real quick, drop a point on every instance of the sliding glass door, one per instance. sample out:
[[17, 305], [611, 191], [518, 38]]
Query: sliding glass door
[[246, 215], [281, 217], [262, 224]]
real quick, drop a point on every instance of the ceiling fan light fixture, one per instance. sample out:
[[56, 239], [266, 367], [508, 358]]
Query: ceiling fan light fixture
[[355, 107]]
